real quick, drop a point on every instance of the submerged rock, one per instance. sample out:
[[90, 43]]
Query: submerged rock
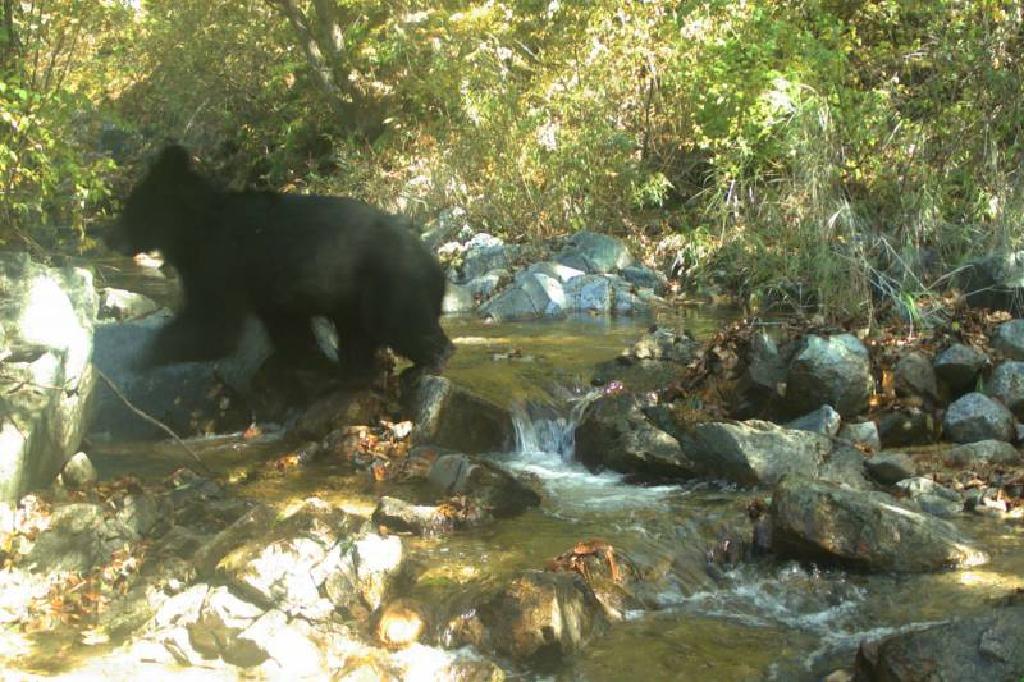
[[863, 530]]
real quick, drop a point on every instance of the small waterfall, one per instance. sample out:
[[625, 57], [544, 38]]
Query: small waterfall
[[546, 429]]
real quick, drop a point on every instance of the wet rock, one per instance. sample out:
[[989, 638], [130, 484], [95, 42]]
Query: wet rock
[[915, 377], [451, 417], [120, 305], [541, 617], [644, 277], [983, 452], [824, 421], [489, 487], [1008, 339], [888, 468], [1007, 386], [531, 296], [931, 497], [845, 465], [78, 473], [862, 530], [400, 623], [614, 433], [975, 417], [986, 647], [832, 370], [592, 252], [904, 426], [862, 434], [959, 366], [665, 345], [753, 452], [589, 293], [336, 411], [80, 537], [399, 515], [46, 339]]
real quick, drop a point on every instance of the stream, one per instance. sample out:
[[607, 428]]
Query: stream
[[758, 621]]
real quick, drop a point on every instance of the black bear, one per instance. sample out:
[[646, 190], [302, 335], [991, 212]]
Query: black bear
[[285, 258]]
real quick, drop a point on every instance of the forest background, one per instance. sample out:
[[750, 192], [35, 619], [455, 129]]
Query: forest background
[[828, 150]]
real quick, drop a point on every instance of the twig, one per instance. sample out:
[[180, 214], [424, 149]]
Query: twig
[[151, 419]]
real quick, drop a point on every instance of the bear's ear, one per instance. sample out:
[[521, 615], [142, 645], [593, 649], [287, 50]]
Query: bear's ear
[[174, 159]]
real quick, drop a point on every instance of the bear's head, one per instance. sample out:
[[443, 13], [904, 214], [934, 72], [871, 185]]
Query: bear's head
[[165, 208]]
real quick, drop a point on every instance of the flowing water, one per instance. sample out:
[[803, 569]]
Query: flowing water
[[755, 621]]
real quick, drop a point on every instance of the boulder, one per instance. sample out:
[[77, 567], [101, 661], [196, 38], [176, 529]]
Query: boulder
[[643, 277], [1007, 386], [595, 253], [532, 296], [915, 377], [994, 281], [589, 293], [863, 530], [931, 497], [834, 370], [753, 452], [449, 416], [490, 488], [120, 305], [888, 468], [902, 426], [485, 253], [975, 417], [985, 647], [824, 420], [984, 453], [959, 366], [47, 317], [1008, 339], [861, 434]]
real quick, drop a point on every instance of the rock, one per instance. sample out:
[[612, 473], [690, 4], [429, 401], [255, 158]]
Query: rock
[[862, 434], [1008, 339], [530, 297], [862, 530], [458, 298], [120, 305], [451, 417], [824, 421], [627, 302], [589, 293], [483, 254], [644, 277], [337, 410], [221, 618], [975, 417], [283, 647], [985, 647], [1007, 386], [902, 426], [665, 345], [595, 253], [401, 516], [540, 617], [487, 486], [761, 386], [81, 536], [833, 371], [400, 623], [931, 497], [753, 452], [845, 465], [47, 321], [78, 473], [959, 366], [190, 397], [994, 281], [562, 273], [915, 377], [615, 434], [888, 468], [982, 453]]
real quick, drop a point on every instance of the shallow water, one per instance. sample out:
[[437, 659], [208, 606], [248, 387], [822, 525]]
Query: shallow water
[[758, 621]]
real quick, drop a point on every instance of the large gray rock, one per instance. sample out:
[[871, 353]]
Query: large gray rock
[[753, 452], [823, 420], [1007, 385], [46, 337], [985, 647], [589, 293], [834, 370], [489, 487], [449, 416], [975, 417], [915, 376], [863, 530], [483, 254], [959, 366], [995, 281], [984, 452], [532, 296], [1008, 338], [186, 396], [595, 253], [644, 277], [614, 433]]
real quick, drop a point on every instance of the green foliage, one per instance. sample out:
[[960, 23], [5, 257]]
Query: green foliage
[[784, 143]]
